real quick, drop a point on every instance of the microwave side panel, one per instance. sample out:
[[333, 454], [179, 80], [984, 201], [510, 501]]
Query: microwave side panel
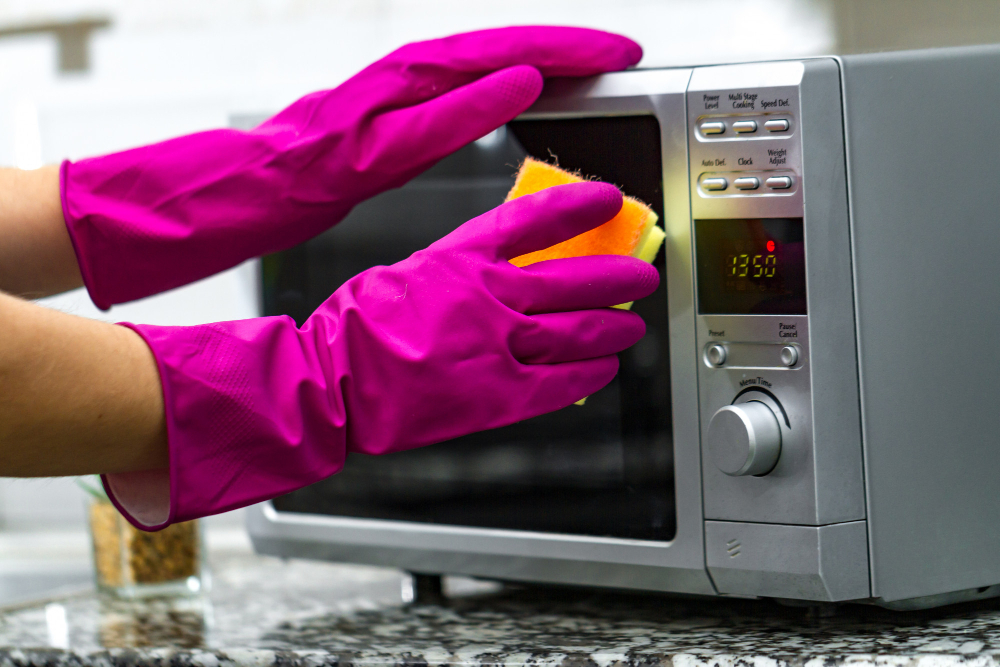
[[925, 215], [678, 565]]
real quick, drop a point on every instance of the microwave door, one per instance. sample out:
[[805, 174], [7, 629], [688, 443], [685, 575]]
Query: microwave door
[[601, 469]]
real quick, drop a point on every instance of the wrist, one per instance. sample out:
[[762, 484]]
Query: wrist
[[36, 254]]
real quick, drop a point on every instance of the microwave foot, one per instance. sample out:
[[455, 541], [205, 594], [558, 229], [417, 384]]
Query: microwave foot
[[814, 610], [424, 589]]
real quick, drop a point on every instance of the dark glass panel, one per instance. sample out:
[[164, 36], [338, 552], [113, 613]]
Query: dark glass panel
[[605, 468]]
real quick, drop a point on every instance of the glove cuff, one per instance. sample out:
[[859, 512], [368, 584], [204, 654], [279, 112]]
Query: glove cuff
[[72, 228], [248, 418], [142, 497]]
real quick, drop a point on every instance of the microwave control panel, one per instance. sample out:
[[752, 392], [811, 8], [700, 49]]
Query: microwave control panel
[[746, 180]]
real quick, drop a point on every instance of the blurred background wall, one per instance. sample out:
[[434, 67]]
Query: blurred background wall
[[84, 77]]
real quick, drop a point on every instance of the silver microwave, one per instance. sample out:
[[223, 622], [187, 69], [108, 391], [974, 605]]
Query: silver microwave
[[810, 415]]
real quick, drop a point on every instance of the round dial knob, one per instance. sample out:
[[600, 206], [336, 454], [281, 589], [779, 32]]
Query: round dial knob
[[744, 439]]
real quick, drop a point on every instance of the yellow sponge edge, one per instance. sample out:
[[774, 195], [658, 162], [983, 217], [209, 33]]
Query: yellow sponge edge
[[632, 232]]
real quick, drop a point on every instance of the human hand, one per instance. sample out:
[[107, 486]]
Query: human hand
[[160, 216], [455, 339]]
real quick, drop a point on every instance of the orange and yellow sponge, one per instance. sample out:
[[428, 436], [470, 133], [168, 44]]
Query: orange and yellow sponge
[[632, 232]]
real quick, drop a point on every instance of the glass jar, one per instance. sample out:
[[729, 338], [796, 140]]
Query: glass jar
[[129, 562]]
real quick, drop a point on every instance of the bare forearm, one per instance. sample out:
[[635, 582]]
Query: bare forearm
[[77, 396], [36, 254]]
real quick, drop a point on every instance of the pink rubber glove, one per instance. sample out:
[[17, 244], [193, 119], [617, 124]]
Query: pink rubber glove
[[450, 341], [158, 217]]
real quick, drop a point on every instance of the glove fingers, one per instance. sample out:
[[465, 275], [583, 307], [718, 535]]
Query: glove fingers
[[442, 64], [578, 283], [553, 50], [418, 136], [551, 338], [538, 221], [556, 386]]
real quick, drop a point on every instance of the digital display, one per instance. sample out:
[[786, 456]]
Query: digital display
[[751, 266]]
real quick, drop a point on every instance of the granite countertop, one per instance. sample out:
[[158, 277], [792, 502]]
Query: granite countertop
[[264, 611]]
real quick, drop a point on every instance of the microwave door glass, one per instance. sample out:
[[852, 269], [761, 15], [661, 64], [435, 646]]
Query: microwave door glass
[[601, 469]]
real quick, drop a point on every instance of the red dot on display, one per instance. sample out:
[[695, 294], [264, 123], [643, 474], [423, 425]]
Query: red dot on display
[[770, 246]]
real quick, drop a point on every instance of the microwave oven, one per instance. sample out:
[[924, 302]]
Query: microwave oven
[[810, 415]]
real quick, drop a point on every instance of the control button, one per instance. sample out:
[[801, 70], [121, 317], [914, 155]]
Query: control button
[[713, 128], [716, 354], [779, 125], [744, 439], [789, 355], [715, 184], [746, 183], [745, 126], [779, 182]]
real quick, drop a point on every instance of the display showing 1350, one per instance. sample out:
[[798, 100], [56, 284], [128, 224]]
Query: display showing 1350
[[752, 266]]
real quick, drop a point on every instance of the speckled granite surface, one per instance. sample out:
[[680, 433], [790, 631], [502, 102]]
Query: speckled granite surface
[[264, 611]]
